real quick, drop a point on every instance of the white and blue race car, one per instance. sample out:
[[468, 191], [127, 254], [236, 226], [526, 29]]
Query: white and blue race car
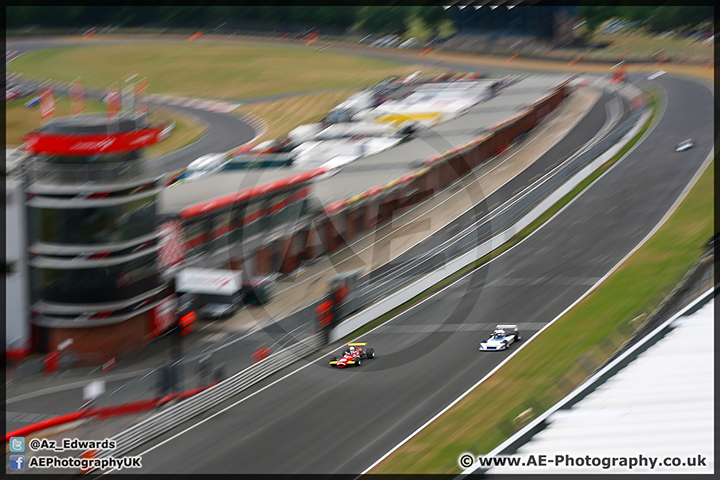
[[501, 338]]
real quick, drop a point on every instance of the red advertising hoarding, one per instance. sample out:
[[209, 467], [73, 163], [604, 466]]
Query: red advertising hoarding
[[41, 143]]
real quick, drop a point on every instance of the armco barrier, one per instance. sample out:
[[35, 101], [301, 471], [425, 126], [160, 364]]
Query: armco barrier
[[127, 408], [201, 402], [509, 219], [518, 216]]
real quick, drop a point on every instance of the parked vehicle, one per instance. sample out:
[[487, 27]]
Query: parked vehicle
[[218, 292], [206, 165], [258, 290]]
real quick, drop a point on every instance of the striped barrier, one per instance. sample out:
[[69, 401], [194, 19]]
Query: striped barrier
[[259, 124], [11, 55], [45, 424]]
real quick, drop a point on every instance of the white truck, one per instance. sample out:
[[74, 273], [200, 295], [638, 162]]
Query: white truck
[[218, 291]]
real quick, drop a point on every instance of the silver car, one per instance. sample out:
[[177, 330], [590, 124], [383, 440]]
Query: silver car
[[685, 145]]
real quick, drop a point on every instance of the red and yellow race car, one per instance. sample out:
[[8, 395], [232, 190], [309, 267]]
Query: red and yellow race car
[[354, 354]]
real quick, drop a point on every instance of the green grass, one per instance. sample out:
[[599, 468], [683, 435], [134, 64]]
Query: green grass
[[580, 341], [20, 120], [207, 70]]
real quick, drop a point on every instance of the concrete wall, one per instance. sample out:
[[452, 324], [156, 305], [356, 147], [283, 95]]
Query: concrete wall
[[97, 344], [17, 327]]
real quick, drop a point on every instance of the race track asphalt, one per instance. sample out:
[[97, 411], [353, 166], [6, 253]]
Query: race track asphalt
[[322, 420], [225, 132]]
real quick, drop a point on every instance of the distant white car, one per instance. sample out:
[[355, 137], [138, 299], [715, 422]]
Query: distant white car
[[685, 145], [501, 338], [206, 165]]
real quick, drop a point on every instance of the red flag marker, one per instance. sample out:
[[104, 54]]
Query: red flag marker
[[47, 103], [77, 98], [141, 103], [113, 102]]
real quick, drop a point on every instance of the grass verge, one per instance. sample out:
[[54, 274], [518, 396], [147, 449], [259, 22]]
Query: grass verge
[[581, 340], [20, 120], [284, 115], [207, 70]]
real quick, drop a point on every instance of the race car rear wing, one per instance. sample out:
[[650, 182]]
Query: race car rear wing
[[507, 327], [356, 344]]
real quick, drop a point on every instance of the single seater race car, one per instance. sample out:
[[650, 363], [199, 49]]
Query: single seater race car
[[501, 338], [354, 354]]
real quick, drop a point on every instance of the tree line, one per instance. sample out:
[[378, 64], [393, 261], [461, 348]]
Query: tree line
[[369, 19], [655, 18], [428, 21]]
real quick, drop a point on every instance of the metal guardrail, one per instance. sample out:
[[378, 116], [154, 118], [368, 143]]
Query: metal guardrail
[[203, 401]]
